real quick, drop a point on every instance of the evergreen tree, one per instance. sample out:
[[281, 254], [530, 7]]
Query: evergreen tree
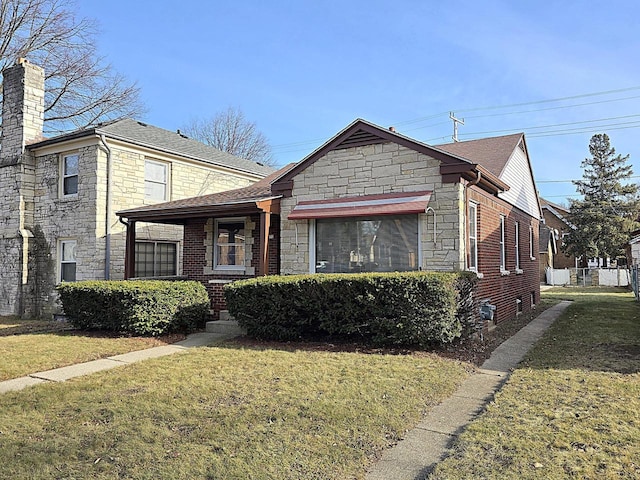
[[602, 221]]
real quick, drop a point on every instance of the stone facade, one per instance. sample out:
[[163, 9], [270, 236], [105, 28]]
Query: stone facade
[[35, 216], [370, 170], [82, 217], [386, 168], [22, 123]]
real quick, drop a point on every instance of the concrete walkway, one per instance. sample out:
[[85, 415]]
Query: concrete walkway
[[78, 370], [423, 447]]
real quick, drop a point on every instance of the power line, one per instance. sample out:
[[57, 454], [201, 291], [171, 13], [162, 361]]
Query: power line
[[569, 181], [290, 147]]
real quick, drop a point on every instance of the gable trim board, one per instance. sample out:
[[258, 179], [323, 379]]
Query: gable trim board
[[363, 133]]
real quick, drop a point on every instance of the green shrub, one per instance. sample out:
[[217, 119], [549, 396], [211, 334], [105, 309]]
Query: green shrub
[[408, 308], [141, 307]]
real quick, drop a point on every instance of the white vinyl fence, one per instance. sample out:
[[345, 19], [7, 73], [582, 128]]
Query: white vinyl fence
[[589, 277]]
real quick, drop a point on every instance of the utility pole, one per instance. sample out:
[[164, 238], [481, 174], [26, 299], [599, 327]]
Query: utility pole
[[456, 121]]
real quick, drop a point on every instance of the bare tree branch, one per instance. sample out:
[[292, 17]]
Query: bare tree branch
[[231, 132], [81, 89]]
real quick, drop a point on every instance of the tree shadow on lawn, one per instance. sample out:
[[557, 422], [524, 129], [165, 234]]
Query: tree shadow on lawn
[[10, 326]]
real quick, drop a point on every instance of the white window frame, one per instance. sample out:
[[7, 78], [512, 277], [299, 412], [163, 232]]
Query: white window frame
[[61, 261], [167, 180], [229, 268], [312, 243], [517, 248], [473, 250], [531, 255], [503, 247], [155, 253], [63, 176]]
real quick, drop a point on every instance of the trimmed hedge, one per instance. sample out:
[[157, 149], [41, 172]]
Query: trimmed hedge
[[141, 307], [407, 308]]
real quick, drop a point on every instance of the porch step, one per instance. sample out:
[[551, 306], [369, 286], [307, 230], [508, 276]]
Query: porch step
[[225, 327], [225, 315]]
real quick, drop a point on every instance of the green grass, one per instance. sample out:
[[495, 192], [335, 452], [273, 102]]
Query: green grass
[[30, 346], [223, 413], [572, 408]]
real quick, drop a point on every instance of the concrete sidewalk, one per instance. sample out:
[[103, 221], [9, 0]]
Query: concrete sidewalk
[[72, 371], [430, 441]]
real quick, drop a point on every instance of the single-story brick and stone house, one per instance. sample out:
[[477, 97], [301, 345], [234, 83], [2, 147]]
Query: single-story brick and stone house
[[371, 199]]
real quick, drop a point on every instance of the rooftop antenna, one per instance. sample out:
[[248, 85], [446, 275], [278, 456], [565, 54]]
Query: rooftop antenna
[[456, 121]]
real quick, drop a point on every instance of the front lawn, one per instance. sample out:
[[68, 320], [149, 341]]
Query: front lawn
[[223, 412], [30, 346], [572, 409]]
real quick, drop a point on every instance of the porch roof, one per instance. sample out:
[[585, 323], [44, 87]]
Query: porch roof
[[241, 201]]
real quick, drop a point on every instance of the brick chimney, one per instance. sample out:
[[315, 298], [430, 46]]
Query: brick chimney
[[22, 109]]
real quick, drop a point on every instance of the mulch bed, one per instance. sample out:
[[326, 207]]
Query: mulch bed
[[473, 350]]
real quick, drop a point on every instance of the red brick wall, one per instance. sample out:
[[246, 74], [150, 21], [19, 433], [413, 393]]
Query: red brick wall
[[503, 290], [194, 255]]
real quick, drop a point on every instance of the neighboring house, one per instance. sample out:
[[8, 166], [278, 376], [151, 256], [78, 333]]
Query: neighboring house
[[548, 250], [58, 196], [633, 249], [368, 200], [555, 217]]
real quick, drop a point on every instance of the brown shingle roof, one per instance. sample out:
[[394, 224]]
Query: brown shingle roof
[[492, 153]]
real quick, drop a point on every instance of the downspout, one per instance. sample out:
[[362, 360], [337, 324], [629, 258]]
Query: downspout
[[107, 244]]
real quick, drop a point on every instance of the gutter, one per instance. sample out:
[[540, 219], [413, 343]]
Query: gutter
[[107, 244]]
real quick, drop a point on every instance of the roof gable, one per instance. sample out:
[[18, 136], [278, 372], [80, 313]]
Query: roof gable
[[492, 153], [361, 133], [507, 157]]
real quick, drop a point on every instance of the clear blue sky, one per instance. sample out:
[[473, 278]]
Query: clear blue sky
[[304, 70]]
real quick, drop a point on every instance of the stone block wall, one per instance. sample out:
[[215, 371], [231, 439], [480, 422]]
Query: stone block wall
[[82, 217], [377, 169]]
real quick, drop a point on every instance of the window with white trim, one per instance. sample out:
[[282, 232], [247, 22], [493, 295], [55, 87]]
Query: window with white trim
[[229, 244], [69, 175], [517, 245], [503, 251], [156, 259], [531, 251], [473, 236], [67, 256], [156, 180], [386, 243]]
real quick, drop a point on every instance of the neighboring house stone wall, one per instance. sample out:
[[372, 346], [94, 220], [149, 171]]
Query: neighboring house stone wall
[[82, 217], [376, 169], [500, 288], [22, 121]]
